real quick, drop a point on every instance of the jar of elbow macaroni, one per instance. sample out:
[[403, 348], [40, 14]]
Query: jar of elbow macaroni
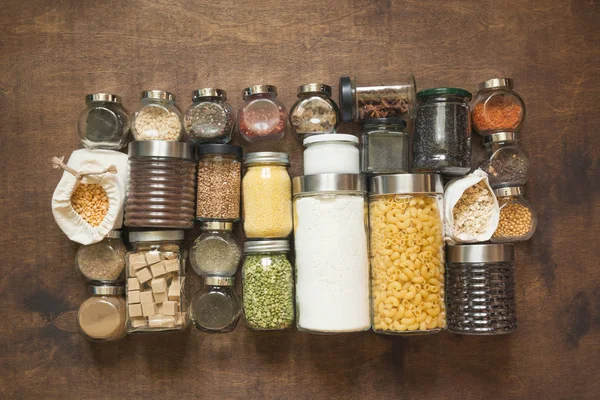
[[406, 254]]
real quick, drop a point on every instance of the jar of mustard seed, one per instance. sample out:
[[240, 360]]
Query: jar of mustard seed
[[210, 119], [104, 124], [497, 107], [157, 118], [314, 112], [518, 219], [102, 317]]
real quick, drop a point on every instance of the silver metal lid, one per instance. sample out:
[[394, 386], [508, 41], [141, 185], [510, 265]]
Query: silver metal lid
[[106, 290], [161, 148], [114, 234], [329, 183], [509, 191], [315, 88], [209, 92], [107, 97], [217, 226], [219, 280], [495, 83], [267, 157], [330, 137], [405, 184], [155, 236], [158, 95], [266, 246], [477, 253], [500, 137], [258, 89]]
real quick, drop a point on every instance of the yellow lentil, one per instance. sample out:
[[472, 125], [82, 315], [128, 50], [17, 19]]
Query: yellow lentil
[[90, 201], [515, 220]]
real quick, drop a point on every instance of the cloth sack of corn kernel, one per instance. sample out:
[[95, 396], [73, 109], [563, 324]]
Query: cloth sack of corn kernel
[[471, 211]]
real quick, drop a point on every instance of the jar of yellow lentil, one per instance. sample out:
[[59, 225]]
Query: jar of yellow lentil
[[267, 195], [407, 254], [518, 219]]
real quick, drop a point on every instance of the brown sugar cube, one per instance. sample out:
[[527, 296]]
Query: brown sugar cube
[[149, 309], [174, 292], [161, 321], [137, 266], [158, 269], [153, 258], [159, 285], [172, 265], [133, 284], [146, 297], [137, 259], [160, 297], [144, 275], [133, 296], [135, 310], [139, 322], [169, 308]]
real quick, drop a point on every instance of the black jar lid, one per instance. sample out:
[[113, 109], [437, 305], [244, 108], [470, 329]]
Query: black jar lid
[[385, 121], [346, 98], [443, 91], [217, 148]]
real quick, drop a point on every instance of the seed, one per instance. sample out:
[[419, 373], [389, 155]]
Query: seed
[[90, 201]]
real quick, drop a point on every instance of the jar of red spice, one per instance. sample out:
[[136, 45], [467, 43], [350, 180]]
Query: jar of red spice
[[263, 116], [497, 107]]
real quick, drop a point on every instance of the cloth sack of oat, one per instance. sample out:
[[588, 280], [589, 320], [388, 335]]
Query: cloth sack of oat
[[471, 210]]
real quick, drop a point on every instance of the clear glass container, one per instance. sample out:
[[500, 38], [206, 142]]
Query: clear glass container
[[210, 119], [219, 182], [385, 147], [496, 107], [162, 185], [314, 112], [518, 219], [442, 138], [331, 153], [216, 252], [407, 254], [332, 253], [104, 124], [263, 115], [102, 262], [505, 161], [267, 200], [156, 295], [102, 316], [216, 308], [157, 118], [267, 285]]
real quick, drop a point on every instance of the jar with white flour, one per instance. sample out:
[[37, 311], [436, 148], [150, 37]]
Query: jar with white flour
[[331, 153]]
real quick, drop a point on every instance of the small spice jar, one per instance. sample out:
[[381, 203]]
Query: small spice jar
[[216, 252], [385, 146], [157, 118], [442, 138], [210, 118], [518, 219], [268, 285], [262, 116], [331, 153], [505, 161], [104, 124], [219, 182], [216, 308], [102, 316], [497, 107], [267, 200], [103, 261], [314, 112]]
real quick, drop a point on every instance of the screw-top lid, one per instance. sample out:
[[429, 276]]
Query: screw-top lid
[[330, 137], [258, 89], [392, 121], [509, 191], [161, 148], [329, 183], [158, 95], [405, 184], [107, 97], [114, 234], [106, 290], [219, 280], [500, 137], [443, 91], [478, 253], [346, 98], [495, 83], [266, 246], [156, 236], [315, 88], [217, 148], [209, 92], [217, 225], [267, 157]]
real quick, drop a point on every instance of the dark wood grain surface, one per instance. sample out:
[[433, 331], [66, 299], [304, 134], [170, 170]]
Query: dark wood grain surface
[[52, 53]]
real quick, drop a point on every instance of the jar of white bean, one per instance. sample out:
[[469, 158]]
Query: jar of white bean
[[157, 118]]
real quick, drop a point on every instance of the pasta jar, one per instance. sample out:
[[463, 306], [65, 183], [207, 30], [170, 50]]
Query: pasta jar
[[102, 316], [518, 219], [267, 285], [157, 118], [481, 289], [104, 124], [162, 185], [332, 257], [262, 116], [407, 256], [385, 146], [216, 252], [505, 161], [267, 200], [210, 118], [219, 182], [103, 261], [314, 112], [156, 299], [497, 107], [331, 153], [216, 308]]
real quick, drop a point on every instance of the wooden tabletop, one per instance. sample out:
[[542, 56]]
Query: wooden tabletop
[[52, 53]]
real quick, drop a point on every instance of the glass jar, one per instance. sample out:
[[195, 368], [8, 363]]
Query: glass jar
[[219, 182], [103, 261], [518, 219], [156, 297], [332, 253], [157, 118], [505, 161], [210, 118], [104, 124], [267, 200], [385, 146], [497, 107], [162, 185], [216, 307], [314, 112], [481, 289], [376, 100], [102, 316], [331, 153], [216, 252], [262, 116], [267, 285], [407, 253]]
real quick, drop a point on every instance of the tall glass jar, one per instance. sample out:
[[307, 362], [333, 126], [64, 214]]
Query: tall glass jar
[[407, 253], [267, 200], [216, 252], [156, 296], [505, 161], [104, 124], [162, 185], [518, 219], [331, 153], [210, 118], [157, 118], [263, 115], [267, 285], [216, 308], [442, 138], [102, 316], [385, 146], [314, 112], [497, 108], [102, 262], [332, 257]]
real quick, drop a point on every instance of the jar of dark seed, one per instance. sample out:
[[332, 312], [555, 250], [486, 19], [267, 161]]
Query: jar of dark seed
[[210, 118], [103, 261], [442, 138], [385, 146], [104, 124], [505, 161], [314, 112], [263, 115], [216, 308], [219, 182]]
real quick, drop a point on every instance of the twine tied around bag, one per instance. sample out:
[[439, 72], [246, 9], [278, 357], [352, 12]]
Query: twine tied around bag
[[57, 162]]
